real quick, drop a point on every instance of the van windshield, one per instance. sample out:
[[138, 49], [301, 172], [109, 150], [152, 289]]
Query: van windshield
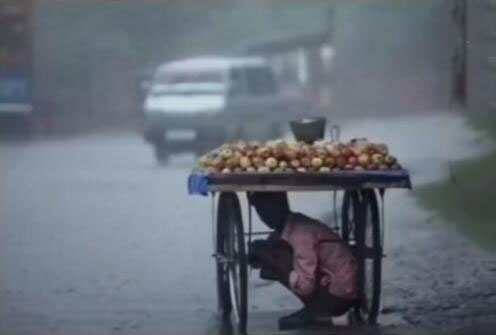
[[189, 77], [205, 82], [188, 88]]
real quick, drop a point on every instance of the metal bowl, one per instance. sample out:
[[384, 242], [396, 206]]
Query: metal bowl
[[308, 130]]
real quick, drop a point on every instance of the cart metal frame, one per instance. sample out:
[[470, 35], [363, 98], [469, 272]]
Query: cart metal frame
[[361, 225]]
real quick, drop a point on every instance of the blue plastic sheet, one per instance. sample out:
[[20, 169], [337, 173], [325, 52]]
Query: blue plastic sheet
[[197, 184]]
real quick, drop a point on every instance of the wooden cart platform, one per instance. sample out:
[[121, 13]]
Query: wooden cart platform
[[339, 180]]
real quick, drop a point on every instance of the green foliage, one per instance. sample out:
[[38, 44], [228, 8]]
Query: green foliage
[[484, 122]]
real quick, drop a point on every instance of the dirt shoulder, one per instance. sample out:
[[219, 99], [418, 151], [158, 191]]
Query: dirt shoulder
[[441, 264]]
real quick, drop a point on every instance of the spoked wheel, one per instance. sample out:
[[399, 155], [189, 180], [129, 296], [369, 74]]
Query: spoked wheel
[[232, 262], [361, 228], [348, 214], [223, 295]]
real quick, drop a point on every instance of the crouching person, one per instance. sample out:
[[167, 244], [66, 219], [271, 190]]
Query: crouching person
[[307, 257]]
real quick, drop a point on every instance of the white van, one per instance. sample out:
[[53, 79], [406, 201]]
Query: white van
[[196, 104]]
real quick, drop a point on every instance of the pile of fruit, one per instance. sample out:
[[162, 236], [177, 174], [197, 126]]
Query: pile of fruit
[[280, 156]]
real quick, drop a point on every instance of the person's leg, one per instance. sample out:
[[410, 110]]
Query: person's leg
[[302, 318], [319, 304], [324, 303], [318, 311], [263, 254]]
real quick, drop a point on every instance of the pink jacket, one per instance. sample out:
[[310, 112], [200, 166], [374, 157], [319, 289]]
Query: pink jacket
[[321, 257]]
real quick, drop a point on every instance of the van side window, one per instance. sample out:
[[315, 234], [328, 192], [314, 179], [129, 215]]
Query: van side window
[[260, 81], [237, 84]]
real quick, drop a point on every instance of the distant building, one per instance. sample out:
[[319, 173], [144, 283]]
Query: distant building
[[16, 64]]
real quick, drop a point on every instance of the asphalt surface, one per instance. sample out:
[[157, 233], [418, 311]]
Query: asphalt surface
[[96, 238]]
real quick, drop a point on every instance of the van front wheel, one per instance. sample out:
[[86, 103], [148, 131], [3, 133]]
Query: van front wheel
[[161, 153]]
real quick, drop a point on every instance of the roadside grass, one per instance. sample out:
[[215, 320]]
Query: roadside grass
[[485, 123], [468, 196]]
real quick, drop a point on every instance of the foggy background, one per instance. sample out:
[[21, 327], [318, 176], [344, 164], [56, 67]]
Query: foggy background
[[97, 237], [396, 57]]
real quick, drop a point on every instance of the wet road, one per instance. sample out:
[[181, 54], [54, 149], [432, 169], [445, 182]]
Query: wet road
[[94, 235], [96, 238]]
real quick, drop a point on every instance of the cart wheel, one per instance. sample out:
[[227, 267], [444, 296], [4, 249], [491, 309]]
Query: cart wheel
[[349, 212], [232, 281], [223, 295], [369, 257]]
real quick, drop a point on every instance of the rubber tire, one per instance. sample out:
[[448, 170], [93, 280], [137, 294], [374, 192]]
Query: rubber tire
[[350, 199], [369, 199], [161, 154], [229, 216], [223, 295]]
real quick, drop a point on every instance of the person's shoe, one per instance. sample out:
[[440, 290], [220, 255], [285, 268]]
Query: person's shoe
[[301, 319]]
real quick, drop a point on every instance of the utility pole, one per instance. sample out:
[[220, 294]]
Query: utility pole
[[459, 74]]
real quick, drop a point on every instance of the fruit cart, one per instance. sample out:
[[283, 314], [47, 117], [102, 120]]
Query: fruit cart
[[361, 224]]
